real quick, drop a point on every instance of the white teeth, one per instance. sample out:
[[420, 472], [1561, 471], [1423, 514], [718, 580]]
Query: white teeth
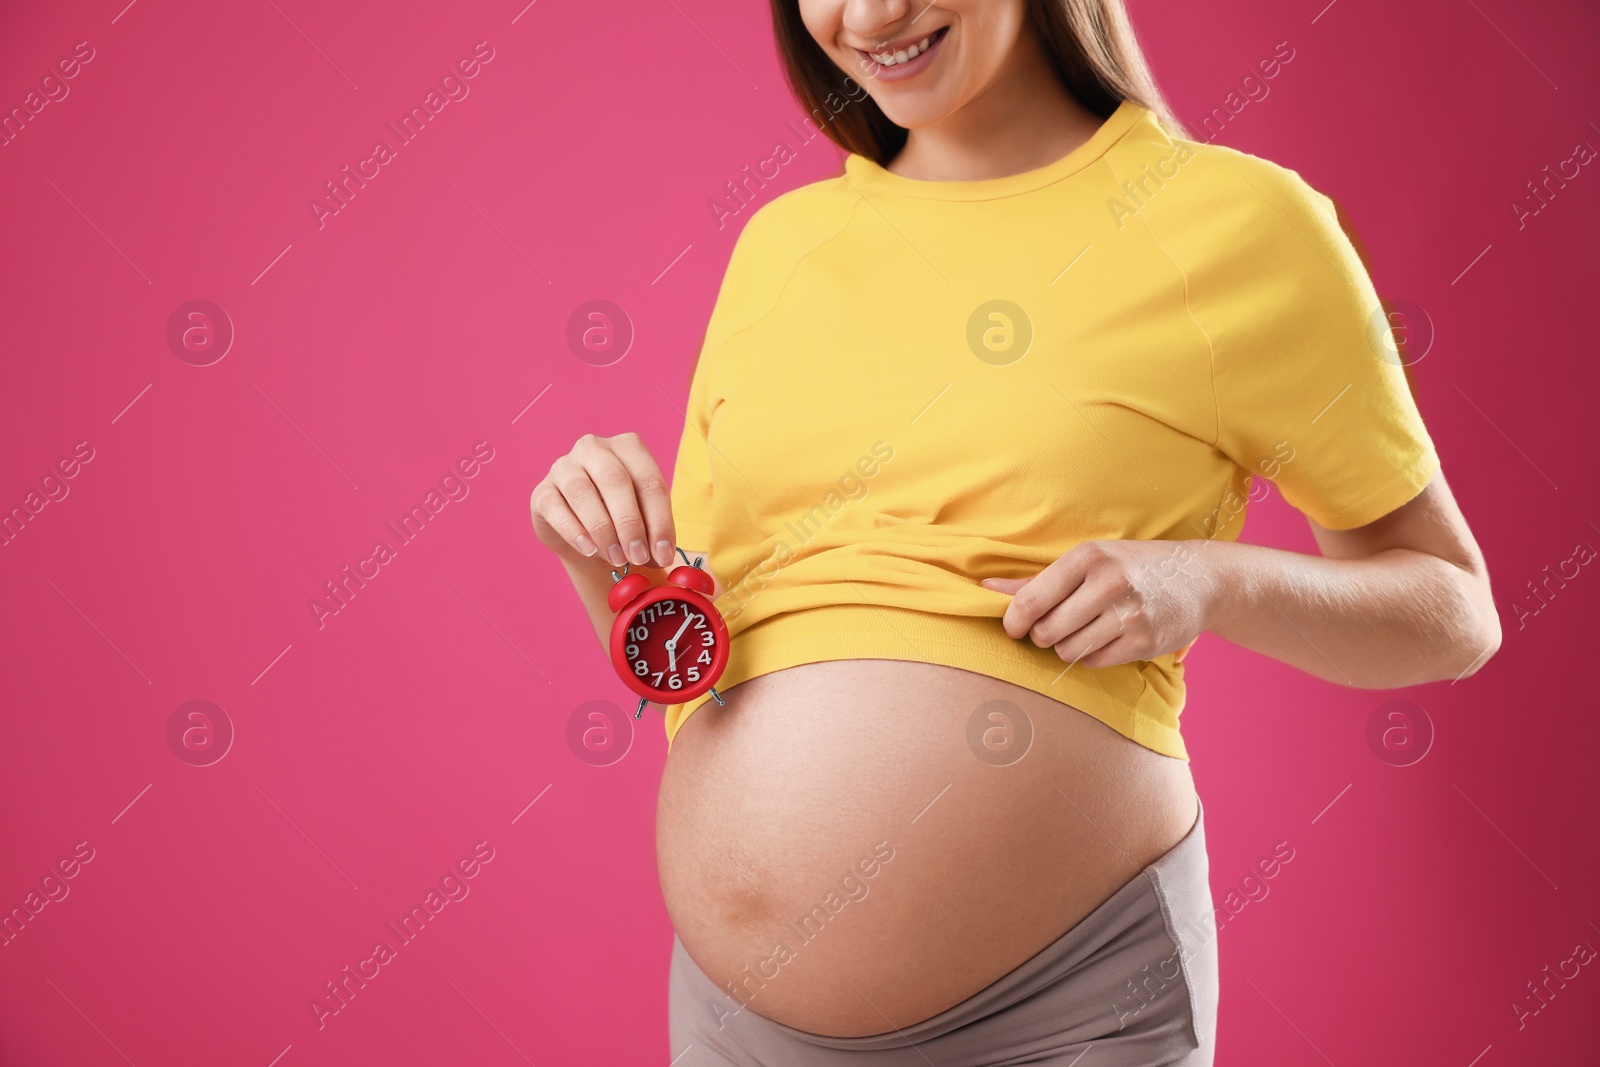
[[902, 55]]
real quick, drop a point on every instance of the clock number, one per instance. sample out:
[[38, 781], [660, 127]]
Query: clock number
[[641, 643]]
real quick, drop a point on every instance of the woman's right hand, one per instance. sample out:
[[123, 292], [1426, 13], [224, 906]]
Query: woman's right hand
[[606, 495]]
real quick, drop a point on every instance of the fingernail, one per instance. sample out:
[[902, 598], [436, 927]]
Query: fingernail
[[663, 552], [614, 554], [586, 546], [637, 553]]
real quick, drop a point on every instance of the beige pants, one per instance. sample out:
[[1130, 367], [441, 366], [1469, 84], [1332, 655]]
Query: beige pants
[[1132, 985]]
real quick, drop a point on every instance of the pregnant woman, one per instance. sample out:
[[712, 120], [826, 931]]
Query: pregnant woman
[[968, 448]]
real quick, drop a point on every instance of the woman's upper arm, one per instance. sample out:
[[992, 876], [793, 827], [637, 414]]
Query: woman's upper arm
[[1303, 380], [1430, 523]]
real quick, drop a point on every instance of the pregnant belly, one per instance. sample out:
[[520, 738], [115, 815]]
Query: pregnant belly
[[841, 850]]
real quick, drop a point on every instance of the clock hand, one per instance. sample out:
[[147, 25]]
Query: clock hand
[[672, 645]]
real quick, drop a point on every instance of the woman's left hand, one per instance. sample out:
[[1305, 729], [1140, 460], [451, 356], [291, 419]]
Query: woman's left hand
[[1111, 602]]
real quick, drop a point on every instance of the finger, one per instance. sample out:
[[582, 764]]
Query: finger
[[1123, 649], [1081, 607], [583, 497], [1047, 589], [654, 500], [550, 508], [615, 483], [1087, 644], [1004, 585]]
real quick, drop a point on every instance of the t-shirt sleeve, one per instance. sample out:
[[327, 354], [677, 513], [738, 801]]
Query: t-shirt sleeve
[[691, 473], [737, 305], [1309, 388]]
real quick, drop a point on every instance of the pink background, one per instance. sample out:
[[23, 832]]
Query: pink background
[[371, 354]]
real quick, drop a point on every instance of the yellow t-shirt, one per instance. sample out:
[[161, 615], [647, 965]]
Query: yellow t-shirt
[[907, 386]]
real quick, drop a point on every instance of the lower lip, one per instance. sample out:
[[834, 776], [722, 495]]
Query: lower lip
[[902, 71]]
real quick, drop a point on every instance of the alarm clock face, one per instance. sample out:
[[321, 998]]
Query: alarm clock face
[[672, 646]]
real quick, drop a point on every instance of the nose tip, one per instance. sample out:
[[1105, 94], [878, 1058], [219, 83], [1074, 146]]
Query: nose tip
[[873, 20]]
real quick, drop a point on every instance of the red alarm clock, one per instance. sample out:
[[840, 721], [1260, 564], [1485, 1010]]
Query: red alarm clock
[[669, 643]]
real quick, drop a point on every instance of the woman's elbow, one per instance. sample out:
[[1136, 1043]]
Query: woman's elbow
[[1477, 629], [1480, 645]]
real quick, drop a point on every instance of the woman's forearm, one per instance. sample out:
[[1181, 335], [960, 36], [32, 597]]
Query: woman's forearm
[[1395, 618]]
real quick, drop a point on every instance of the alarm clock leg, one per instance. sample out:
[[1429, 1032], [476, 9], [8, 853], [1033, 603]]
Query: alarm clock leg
[[642, 702], [718, 697]]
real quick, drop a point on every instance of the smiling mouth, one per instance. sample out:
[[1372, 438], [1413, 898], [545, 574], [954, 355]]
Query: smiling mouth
[[906, 53]]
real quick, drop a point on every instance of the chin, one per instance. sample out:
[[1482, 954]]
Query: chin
[[914, 114]]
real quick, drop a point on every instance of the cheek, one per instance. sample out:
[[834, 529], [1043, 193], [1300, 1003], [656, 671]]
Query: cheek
[[988, 37], [822, 19]]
